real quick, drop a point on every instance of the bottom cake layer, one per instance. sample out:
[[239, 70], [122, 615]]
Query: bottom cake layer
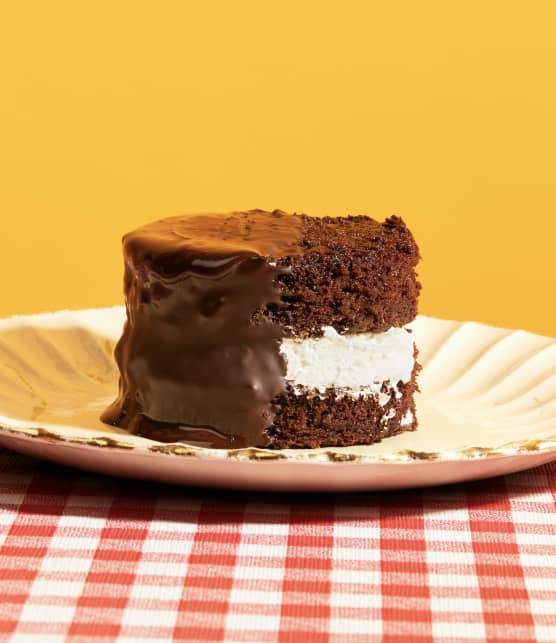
[[340, 390], [308, 419]]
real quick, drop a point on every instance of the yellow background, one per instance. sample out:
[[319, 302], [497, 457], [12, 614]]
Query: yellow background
[[116, 113]]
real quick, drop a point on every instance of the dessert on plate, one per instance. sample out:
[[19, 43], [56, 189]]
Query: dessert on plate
[[268, 329]]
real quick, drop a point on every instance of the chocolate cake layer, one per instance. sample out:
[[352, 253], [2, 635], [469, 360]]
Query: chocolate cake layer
[[355, 274], [211, 297], [306, 420], [352, 273]]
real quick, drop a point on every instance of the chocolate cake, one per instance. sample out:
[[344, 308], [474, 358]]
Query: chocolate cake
[[268, 329]]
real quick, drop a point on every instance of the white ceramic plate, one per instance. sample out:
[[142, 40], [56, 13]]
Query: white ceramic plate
[[487, 407]]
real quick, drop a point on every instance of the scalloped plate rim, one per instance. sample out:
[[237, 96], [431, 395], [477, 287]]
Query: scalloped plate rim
[[258, 455]]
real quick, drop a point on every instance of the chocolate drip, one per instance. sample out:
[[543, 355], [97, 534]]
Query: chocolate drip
[[198, 362]]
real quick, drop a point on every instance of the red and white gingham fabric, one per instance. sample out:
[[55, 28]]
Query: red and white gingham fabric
[[91, 558]]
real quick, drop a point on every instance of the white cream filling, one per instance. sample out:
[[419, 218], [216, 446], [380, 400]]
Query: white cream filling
[[355, 364]]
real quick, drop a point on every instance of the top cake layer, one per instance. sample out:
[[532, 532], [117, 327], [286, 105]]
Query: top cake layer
[[352, 273]]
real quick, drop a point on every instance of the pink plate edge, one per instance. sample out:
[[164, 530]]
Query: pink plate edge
[[271, 475]]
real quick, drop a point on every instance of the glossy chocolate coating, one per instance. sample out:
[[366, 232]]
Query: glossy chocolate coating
[[198, 362]]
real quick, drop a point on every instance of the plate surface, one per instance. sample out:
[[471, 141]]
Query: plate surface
[[487, 407]]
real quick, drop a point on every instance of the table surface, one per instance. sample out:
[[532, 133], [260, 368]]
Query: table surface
[[86, 557]]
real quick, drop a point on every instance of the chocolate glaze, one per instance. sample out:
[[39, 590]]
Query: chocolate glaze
[[197, 362]]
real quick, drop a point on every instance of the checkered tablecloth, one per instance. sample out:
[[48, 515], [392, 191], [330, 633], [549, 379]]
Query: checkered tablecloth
[[91, 558]]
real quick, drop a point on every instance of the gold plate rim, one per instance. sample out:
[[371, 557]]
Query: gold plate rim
[[253, 454]]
